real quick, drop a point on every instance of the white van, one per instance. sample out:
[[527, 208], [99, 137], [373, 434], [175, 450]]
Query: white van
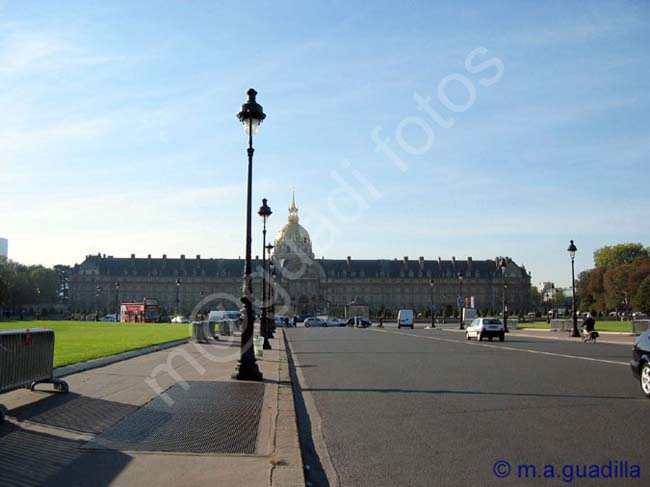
[[405, 318]]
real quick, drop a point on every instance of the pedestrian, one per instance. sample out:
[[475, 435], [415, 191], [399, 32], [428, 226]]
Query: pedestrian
[[381, 321], [295, 321]]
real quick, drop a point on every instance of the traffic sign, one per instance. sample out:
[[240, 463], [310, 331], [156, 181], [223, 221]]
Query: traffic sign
[[461, 302]]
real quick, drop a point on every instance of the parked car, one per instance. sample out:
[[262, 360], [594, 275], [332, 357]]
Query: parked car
[[336, 322], [640, 363], [362, 323], [405, 317], [112, 318], [180, 319], [314, 321], [281, 320], [639, 316], [486, 328]]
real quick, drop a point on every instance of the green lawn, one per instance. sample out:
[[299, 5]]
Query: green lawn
[[78, 341], [620, 326]]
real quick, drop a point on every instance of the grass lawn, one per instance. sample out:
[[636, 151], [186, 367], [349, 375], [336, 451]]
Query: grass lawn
[[620, 326], [78, 341]]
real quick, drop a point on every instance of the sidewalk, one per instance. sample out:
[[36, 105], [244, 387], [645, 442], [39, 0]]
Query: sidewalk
[[249, 438]]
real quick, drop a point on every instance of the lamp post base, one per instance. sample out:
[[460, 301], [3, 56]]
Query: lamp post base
[[575, 333], [247, 372]]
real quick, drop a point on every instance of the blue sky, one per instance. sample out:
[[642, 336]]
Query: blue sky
[[118, 132]]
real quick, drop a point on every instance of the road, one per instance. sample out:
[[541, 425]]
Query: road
[[427, 407]]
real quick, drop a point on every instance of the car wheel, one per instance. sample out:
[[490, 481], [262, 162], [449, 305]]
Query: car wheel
[[502, 337], [645, 379], [324, 325], [307, 325]]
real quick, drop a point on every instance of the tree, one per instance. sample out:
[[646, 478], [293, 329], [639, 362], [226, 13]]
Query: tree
[[622, 282], [642, 298], [613, 256]]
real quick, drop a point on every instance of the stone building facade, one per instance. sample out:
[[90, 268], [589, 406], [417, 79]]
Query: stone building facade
[[303, 283]]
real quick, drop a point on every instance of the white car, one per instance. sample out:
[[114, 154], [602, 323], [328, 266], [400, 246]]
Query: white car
[[180, 319], [111, 318], [314, 321], [336, 322], [486, 328], [405, 317]]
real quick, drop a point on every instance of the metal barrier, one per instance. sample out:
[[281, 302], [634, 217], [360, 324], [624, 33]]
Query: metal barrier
[[27, 359], [639, 326], [200, 331], [563, 325]]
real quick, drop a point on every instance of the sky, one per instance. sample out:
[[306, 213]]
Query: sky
[[432, 129]]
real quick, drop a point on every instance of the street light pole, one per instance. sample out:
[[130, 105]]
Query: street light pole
[[503, 264], [265, 212], [251, 115], [98, 289], [270, 330], [117, 301], [572, 252], [461, 301], [178, 288], [433, 316], [552, 300]]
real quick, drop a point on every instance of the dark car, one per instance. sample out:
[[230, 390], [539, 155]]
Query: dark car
[[363, 323], [641, 361]]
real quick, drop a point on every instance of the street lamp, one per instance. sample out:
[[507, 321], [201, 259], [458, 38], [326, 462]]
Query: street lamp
[[433, 316], [503, 264], [178, 289], [117, 301], [572, 252], [269, 294], [461, 300], [264, 212], [98, 290], [38, 301], [251, 116]]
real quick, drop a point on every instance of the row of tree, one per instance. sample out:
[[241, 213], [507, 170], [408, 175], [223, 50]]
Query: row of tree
[[22, 285], [620, 280]]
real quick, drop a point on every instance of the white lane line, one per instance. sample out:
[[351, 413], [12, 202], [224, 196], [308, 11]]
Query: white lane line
[[505, 347]]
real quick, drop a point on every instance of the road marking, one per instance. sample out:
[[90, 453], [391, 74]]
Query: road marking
[[504, 347]]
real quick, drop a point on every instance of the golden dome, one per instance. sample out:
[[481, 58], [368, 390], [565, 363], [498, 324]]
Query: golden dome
[[293, 238]]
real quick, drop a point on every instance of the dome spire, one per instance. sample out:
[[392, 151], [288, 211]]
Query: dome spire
[[293, 209]]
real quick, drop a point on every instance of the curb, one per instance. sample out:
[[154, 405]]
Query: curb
[[286, 461], [111, 359]]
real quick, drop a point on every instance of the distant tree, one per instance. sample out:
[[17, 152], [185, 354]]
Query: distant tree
[[622, 282], [642, 298], [616, 255]]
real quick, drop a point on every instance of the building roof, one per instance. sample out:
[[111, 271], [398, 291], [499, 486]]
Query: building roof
[[331, 268]]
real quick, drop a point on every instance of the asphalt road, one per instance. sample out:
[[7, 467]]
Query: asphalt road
[[428, 408]]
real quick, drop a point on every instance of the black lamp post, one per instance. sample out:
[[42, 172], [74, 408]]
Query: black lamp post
[[178, 290], [98, 290], [38, 301], [270, 330], [572, 252], [433, 314], [264, 212], [117, 301], [503, 264], [251, 116], [461, 301], [444, 308]]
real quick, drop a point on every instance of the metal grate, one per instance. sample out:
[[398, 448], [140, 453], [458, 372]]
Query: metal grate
[[74, 412], [208, 417]]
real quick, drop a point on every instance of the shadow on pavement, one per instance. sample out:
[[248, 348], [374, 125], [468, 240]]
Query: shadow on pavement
[[31, 459], [74, 412]]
